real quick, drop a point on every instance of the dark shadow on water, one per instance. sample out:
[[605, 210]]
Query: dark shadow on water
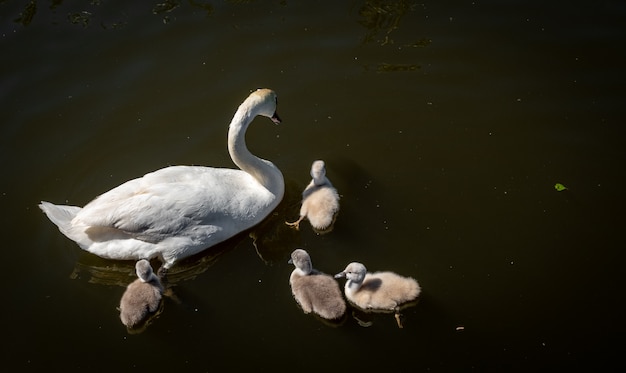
[[101, 271], [366, 318], [357, 188], [330, 323], [272, 238]]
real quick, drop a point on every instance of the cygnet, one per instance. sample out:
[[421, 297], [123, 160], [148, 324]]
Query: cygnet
[[320, 200], [313, 290], [142, 296], [378, 291]]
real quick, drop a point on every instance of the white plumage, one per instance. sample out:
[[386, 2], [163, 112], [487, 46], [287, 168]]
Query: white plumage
[[320, 200], [179, 211], [313, 290]]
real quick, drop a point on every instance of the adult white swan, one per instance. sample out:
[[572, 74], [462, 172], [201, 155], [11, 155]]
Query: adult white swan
[[178, 211]]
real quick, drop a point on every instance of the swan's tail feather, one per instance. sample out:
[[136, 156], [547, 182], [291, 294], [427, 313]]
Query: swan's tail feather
[[62, 216]]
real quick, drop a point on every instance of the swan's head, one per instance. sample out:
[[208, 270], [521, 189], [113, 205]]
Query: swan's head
[[144, 270], [354, 272], [318, 172], [263, 101], [301, 259]]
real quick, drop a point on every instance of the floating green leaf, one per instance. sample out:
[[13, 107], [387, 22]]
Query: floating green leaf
[[559, 187]]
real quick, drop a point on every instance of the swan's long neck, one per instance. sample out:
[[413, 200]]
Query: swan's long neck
[[262, 170]]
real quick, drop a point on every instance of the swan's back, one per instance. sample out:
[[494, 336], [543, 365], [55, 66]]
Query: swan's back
[[173, 199]]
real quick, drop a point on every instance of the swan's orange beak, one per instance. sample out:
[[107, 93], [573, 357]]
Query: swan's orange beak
[[275, 118]]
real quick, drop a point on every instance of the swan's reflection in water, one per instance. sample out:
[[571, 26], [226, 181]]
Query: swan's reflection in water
[[272, 238], [122, 272]]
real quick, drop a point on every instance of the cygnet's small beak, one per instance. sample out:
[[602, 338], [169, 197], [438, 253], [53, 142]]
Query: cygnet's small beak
[[340, 275], [290, 261], [275, 118]]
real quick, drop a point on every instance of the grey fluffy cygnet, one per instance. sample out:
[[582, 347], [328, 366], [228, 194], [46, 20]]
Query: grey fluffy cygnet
[[320, 200], [142, 296], [378, 291], [315, 291]]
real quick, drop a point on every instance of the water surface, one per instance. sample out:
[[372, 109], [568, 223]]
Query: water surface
[[444, 127]]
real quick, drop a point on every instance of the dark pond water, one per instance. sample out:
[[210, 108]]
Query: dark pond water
[[444, 125]]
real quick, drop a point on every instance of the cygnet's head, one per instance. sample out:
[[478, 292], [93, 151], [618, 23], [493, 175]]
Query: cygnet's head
[[301, 260], [263, 101], [144, 270], [354, 272], [318, 172]]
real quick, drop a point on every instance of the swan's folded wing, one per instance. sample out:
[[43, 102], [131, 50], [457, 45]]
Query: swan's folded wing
[[164, 203], [150, 213]]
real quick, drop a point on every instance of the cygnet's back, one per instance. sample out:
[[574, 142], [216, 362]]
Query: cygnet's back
[[142, 296], [320, 200], [315, 291], [378, 290]]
